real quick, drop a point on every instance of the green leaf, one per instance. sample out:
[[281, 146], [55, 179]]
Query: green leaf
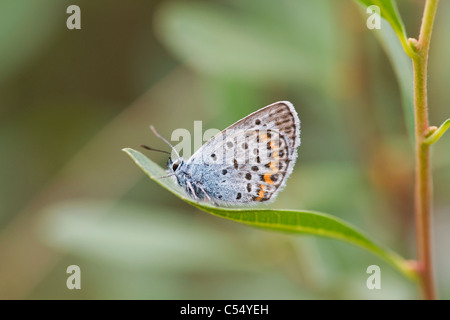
[[389, 11], [398, 53], [437, 132], [127, 234], [214, 39], [301, 222], [403, 69]]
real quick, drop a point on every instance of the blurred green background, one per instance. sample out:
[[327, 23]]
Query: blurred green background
[[70, 100]]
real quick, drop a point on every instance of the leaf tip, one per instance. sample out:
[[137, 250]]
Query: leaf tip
[[127, 150]]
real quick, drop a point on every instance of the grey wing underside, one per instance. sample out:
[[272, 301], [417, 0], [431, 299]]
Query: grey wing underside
[[280, 116], [249, 162]]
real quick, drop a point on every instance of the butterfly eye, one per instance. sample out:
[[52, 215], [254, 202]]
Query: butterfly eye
[[175, 166]]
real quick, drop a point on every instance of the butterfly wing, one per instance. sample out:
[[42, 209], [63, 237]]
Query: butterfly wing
[[249, 161]]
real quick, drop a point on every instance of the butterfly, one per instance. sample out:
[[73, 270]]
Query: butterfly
[[247, 163]]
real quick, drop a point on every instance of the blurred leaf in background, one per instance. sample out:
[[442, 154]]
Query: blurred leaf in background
[[70, 100]]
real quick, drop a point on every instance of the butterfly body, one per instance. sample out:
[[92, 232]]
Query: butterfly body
[[247, 163]]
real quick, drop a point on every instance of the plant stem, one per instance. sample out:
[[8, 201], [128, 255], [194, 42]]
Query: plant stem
[[423, 181]]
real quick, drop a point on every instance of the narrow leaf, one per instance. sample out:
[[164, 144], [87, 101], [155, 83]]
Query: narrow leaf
[[301, 222], [434, 137], [403, 69], [392, 27], [389, 11], [215, 39]]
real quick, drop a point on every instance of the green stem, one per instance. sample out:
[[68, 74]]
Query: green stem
[[423, 180]]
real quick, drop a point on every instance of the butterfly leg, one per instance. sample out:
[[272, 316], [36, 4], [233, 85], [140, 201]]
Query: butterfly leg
[[207, 195], [189, 185]]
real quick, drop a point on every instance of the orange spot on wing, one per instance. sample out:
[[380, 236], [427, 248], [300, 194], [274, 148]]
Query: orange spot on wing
[[273, 166], [267, 178], [273, 145], [263, 137], [261, 193]]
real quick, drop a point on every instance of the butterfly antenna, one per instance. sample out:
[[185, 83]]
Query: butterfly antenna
[[153, 149], [163, 151], [162, 138]]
